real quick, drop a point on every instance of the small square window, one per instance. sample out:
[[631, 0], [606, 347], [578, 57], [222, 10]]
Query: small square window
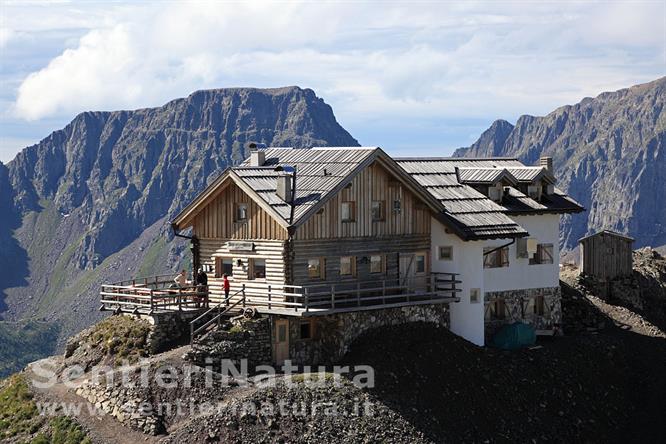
[[306, 330], [347, 211], [446, 253], [474, 295], [257, 269], [347, 265], [241, 212], [420, 263], [315, 268], [396, 206], [224, 265], [377, 210], [376, 264], [495, 258], [543, 255]]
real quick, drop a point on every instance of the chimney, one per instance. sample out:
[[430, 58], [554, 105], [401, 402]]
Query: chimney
[[546, 162], [284, 187], [257, 156]]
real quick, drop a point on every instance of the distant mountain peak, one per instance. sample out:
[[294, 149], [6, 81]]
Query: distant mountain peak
[[609, 153], [91, 201]]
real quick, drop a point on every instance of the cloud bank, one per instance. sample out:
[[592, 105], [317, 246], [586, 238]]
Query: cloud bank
[[374, 62]]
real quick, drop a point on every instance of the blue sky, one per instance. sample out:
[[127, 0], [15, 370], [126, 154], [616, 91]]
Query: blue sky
[[417, 78]]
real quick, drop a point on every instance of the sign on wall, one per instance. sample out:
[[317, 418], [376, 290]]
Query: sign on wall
[[240, 246]]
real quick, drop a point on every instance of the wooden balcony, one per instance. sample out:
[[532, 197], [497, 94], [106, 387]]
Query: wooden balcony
[[151, 295], [146, 295]]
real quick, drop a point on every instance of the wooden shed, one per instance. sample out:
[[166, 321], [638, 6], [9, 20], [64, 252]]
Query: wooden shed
[[606, 255]]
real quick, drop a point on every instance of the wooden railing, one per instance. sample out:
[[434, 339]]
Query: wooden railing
[[348, 295], [149, 294]]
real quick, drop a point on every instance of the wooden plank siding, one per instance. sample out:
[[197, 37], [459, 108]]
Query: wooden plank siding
[[372, 184], [331, 250], [271, 251], [217, 219], [606, 256], [323, 235]]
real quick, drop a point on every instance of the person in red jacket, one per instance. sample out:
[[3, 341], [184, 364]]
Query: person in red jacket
[[227, 287]]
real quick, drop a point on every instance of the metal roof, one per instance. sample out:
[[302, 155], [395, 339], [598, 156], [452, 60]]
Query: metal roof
[[476, 214], [319, 171]]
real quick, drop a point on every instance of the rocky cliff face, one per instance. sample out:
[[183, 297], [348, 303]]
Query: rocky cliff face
[[609, 154], [91, 202]]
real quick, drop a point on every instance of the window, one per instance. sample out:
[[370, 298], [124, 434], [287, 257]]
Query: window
[[396, 206], [257, 269], [420, 263], [474, 295], [539, 305], [347, 211], [446, 253], [376, 264], [241, 212], [347, 266], [377, 210], [224, 265], [495, 258], [534, 192], [306, 330], [496, 310], [543, 255], [315, 268]]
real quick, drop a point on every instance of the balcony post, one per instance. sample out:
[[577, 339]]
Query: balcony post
[[269, 296], [332, 296], [307, 300]]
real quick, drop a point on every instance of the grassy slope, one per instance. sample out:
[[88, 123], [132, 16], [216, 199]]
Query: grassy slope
[[33, 339], [20, 420]]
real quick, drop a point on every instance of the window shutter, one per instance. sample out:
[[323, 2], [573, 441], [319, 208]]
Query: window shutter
[[505, 256]]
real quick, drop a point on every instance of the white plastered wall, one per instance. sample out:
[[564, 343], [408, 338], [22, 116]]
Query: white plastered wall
[[466, 317], [520, 274]]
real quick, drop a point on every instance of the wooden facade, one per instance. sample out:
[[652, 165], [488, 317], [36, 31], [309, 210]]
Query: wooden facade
[[606, 255], [218, 219], [401, 231], [373, 184]]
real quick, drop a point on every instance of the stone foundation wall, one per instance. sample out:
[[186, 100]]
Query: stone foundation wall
[[333, 334], [167, 329], [516, 308], [245, 339]]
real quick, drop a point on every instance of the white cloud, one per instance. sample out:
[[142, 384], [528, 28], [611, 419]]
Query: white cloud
[[392, 61]]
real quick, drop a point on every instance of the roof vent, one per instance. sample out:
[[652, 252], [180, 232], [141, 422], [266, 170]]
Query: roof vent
[[284, 191], [546, 162]]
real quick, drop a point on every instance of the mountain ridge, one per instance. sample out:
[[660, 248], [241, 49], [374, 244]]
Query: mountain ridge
[[90, 203], [603, 147]]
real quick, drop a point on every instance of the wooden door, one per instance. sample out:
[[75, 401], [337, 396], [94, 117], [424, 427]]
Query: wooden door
[[406, 268], [281, 341]]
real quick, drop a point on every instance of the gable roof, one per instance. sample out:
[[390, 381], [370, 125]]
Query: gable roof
[[475, 215], [320, 174], [610, 233], [484, 175], [451, 179]]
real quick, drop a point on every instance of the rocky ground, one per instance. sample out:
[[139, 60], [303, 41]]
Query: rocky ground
[[601, 382]]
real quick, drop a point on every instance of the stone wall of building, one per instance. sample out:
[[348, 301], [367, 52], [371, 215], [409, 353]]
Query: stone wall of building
[[244, 339], [167, 329], [518, 307], [333, 334]]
